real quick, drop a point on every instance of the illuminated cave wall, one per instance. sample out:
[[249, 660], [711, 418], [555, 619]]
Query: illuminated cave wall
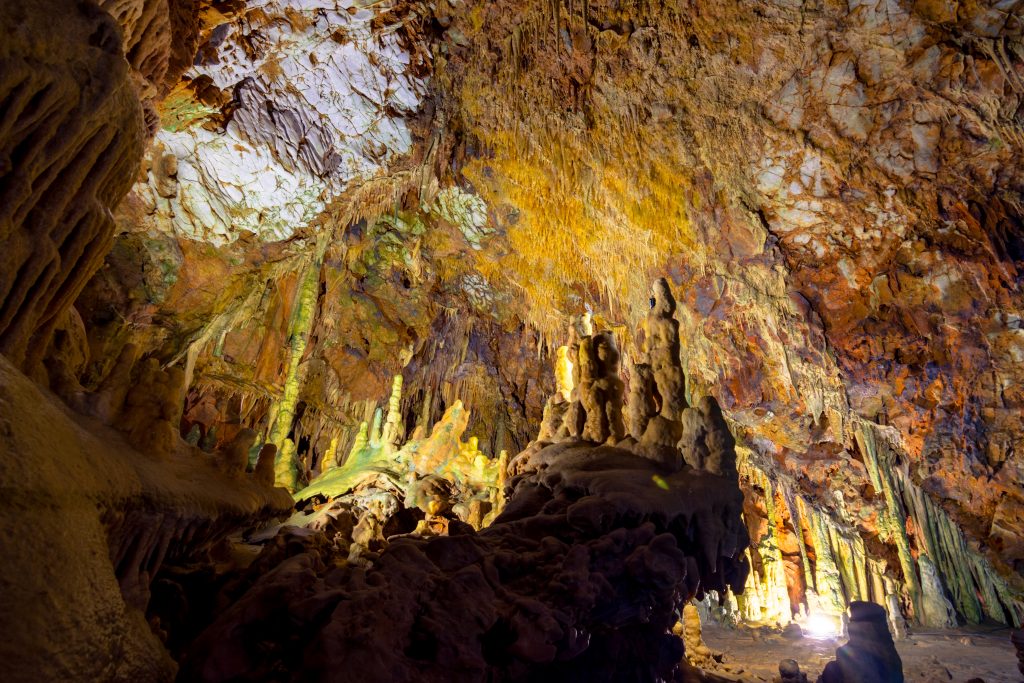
[[833, 190]]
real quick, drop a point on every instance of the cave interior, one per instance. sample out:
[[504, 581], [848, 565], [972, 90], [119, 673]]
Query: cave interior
[[512, 340]]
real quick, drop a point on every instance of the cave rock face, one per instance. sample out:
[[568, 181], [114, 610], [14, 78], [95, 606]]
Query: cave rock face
[[581, 578], [300, 99], [71, 131]]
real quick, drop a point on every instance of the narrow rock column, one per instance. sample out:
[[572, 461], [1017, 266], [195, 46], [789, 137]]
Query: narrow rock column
[[286, 469], [893, 521]]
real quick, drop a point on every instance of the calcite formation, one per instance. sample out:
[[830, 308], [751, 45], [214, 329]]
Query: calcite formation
[[331, 199], [302, 99], [67, 150], [80, 574], [581, 577], [870, 655], [428, 479]]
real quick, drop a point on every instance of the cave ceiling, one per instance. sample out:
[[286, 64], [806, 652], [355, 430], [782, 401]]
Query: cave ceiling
[[833, 190]]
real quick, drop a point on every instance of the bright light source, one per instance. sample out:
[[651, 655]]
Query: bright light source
[[821, 626]]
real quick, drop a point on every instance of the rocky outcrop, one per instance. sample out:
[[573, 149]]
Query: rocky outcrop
[[870, 655], [581, 578], [71, 132], [77, 110], [88, 524]]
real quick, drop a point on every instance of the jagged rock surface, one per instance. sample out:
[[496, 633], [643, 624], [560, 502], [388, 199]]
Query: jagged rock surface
[[580, 578], [71, 131], [870, 655], [78, 572]]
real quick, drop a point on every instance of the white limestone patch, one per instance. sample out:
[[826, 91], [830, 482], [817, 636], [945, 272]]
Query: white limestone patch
[[465, 210], [322, 101]]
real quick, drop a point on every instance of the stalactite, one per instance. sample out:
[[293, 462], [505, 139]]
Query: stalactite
[[765, 598], [298, 333], [827, 580], [962, 575], [794, 514], [975, 589], [879, 465]]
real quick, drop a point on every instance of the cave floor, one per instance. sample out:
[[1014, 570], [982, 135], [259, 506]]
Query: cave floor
[[956, 656]]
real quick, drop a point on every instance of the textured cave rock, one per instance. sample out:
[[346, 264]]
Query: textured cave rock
[[844, 244], [870, 655], [300, 101], [77, 110], [338, 194], [847, 249], [72, 133], [581, 578], [88, 522]]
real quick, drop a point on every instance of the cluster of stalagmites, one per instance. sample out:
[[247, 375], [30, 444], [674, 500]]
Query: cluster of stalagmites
[[580, 578], [656, 422], [389, 484]]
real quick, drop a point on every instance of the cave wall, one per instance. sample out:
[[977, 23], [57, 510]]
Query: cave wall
[[832, 188]]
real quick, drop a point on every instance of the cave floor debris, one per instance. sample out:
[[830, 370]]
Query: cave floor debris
[[928, 657]]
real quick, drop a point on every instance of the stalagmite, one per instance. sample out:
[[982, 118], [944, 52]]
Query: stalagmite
[[870, 655], [641, 406], [663, 351], [299, 328], [235, 457], [264, 472], [600, 389], [697, 652]]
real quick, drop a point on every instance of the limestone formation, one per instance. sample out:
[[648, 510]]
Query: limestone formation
[[870, 655], [115, 520], [264, 470], [235, 458], [706, 442], [495, 603], [152, 409], [663, 351], [698, 654], [600, 389], [642, 405], [439, 475], [336, 191]]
